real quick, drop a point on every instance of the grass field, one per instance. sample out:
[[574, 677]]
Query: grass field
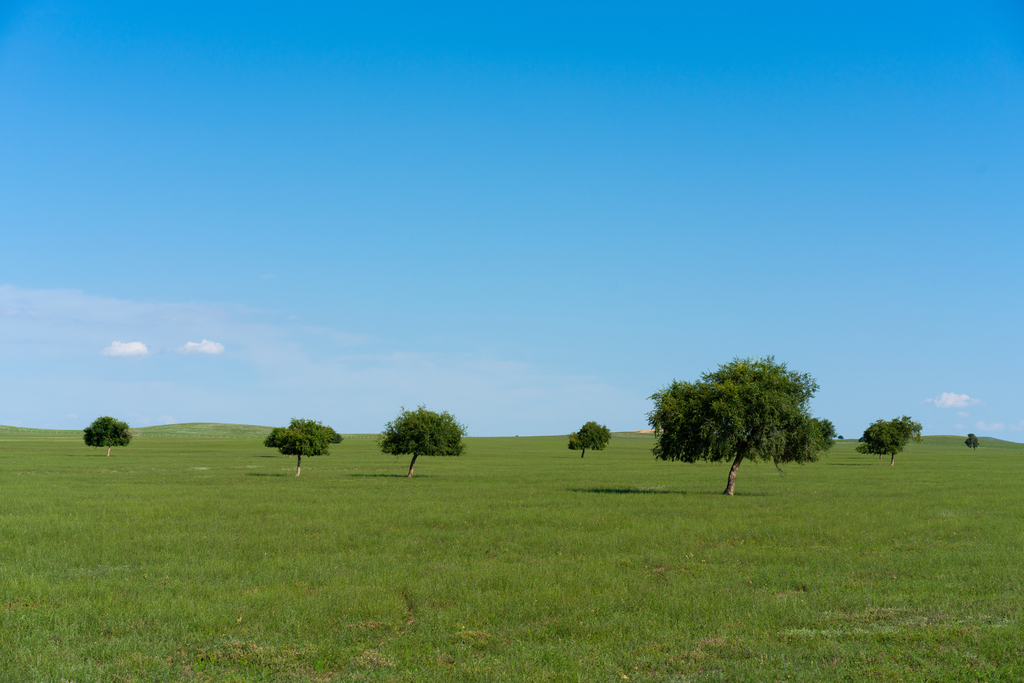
[[189, 556]]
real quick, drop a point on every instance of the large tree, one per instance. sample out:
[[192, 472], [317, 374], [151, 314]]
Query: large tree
[[590, 435], [107, 432], [422, 432], [888, 437], [750, 408], [972, 441], [302, 437]]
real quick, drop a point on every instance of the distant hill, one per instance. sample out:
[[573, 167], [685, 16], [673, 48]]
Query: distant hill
[[202, 430], [187, 430], [207, 430], [38, 432], [217, 430], [954, 441]]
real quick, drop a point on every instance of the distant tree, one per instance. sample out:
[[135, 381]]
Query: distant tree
[[275, 438], [108, 432], [590, 435], [334, 436], [302, 437], [422, 432], [751, 408], [972, 441], [889, 437]]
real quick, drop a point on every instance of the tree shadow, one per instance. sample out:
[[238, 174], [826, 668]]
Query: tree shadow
[[852, 464], [736, 494], [266, 456], [268, 474], [627, 490], [391, 476]]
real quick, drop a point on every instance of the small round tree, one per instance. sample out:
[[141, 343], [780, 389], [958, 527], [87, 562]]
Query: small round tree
[[590, 435], [108, 432], [751, 408], [422, 432], [889, 437], [972, 441], [302, 437]]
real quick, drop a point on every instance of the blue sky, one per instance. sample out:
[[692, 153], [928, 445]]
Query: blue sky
[[530, 215]]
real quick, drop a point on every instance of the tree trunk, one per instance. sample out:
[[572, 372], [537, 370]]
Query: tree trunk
[[583, 453], [298, 467], [732, 475], [414, 456], [893, 461], [108, 451]]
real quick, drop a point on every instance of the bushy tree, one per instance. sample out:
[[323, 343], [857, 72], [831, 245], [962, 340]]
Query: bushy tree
[[422, 432], [972, 441], [334, 436], [750, 408], [888, 437], [590, 435], [108, 432], [302, 437]]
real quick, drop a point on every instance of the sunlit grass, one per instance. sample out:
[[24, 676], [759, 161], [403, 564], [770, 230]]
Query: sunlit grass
[[192, 558]]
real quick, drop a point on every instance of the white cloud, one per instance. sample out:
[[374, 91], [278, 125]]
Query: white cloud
[[73, 416], [959, 426], [283, 368], [1017, 426], [989, 426], [208, 347], [962, 414], [37, 324], [950, 400], [126, 349]]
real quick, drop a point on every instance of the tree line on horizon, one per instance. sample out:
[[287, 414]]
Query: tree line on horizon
[[748, 409]]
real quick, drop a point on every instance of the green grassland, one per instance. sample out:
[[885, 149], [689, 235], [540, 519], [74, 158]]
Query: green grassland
[[188, 556]]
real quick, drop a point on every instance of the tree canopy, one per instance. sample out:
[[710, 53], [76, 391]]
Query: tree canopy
[[107, 432], [750, 408], [972, 441], [590, 435], [302, 437], [422, 432], [889, 437]]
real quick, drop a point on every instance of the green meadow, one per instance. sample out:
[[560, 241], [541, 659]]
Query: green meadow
[[195, 554]]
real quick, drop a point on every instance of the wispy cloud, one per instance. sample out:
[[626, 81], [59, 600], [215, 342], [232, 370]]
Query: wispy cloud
[[962, 414], [206, 346], [1017, 426], [950, 400], [281, 368], [49, 323], [989, 426], [135, 348]]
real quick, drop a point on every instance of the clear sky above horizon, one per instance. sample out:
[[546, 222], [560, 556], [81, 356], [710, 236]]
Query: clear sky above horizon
[[531, 215]]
